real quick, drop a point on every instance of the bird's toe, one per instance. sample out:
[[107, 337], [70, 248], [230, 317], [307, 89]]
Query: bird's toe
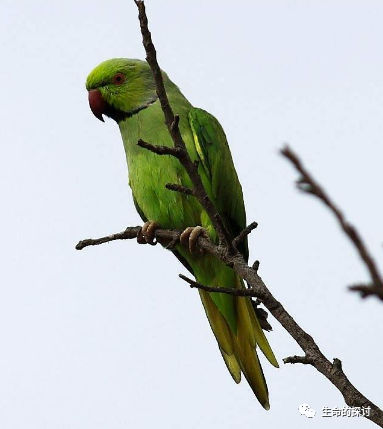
[[146, 235], [190, 235]]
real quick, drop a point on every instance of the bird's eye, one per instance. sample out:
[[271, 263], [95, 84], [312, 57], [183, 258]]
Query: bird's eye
[[118, 78]]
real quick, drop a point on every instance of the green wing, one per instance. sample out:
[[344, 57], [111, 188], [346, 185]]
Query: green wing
[[214, 152], [212, 147]]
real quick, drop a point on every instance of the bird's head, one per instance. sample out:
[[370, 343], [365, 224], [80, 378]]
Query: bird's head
[[120, 87]]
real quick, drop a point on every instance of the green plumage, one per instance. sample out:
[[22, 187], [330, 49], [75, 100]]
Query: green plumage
[[134, 105]]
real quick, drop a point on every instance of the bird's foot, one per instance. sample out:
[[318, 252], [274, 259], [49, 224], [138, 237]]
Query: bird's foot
[[146, 235], [190, 235]]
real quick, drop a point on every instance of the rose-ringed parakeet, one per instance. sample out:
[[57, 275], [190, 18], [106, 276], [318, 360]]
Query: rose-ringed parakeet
[[124, 90]]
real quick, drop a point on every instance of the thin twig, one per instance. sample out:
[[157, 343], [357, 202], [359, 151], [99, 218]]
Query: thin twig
[[179, 188], [175, 240], [305, 360], [159, 150], [338, 364], [226, 290], [168, 237], [308, 184], [367, 290], [244, 233], [130, 232], [255, 266]]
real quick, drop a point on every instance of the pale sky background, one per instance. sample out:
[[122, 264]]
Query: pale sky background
[[110, 338]]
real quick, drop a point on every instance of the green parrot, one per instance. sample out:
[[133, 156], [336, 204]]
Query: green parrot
[[124, 90]]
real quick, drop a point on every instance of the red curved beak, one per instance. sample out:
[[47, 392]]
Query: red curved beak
[[97, 104]]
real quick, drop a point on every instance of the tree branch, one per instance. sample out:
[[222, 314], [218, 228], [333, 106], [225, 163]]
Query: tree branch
[[305, 360], [244, 233], [160, 150], [227, 290], [172, 121], [179, 188], [366, 290], [308, 184], [226, 252], [130, 232], [331, 371]]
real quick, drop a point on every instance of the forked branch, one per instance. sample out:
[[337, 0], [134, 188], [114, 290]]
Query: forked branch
[[226, 250], [306, 183]]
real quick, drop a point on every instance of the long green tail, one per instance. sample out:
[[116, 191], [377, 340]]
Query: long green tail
[[239, 349]]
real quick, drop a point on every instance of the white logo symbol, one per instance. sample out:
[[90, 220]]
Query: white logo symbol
[[306, 410]]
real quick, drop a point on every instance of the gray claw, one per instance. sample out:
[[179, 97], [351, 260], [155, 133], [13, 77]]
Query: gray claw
[[190, 235], [148, 232]]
